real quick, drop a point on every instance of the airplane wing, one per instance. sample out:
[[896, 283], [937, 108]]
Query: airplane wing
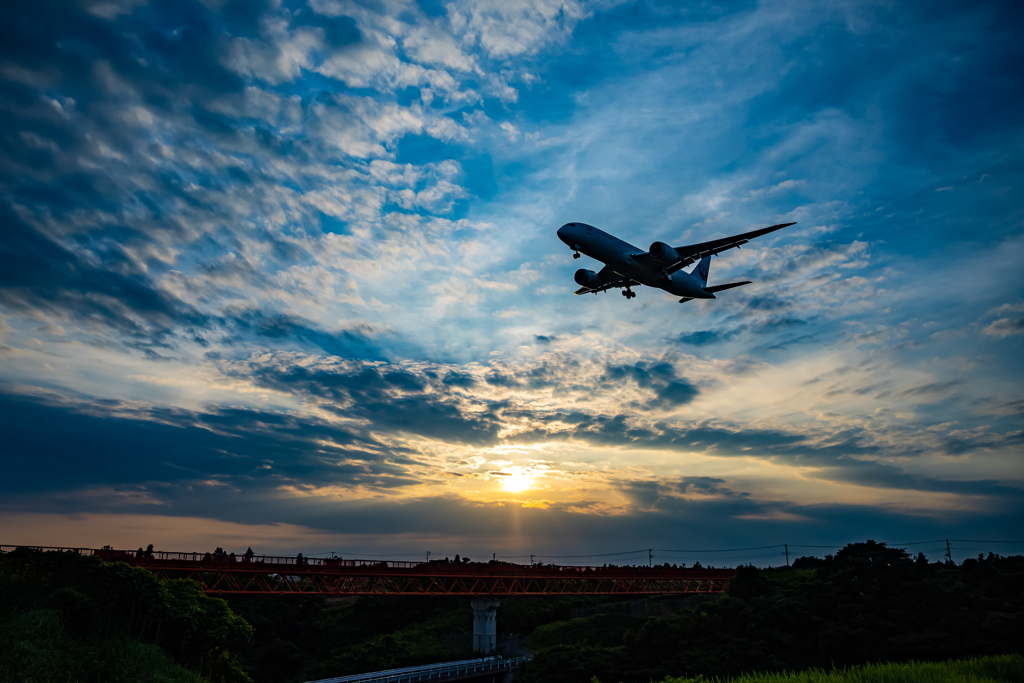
[[722, 288], [609, 280], [647, 260], [694, 252]]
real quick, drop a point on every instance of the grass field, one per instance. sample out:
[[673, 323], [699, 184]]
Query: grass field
[[996, 669]]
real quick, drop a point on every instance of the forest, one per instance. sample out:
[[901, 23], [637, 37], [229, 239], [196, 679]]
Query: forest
[[66, 617]]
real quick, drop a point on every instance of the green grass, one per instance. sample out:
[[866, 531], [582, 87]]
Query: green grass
[[995, 669]]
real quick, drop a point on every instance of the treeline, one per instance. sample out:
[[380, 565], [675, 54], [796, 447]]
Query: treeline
[[64, 617], [868, 603], [309, 638], [67, 617]]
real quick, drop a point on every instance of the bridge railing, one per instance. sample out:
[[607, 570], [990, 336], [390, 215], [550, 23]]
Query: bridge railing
[[279, 562], [220, 558], [431, 671]]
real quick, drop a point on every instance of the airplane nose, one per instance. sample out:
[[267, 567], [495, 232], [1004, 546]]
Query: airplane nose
[[563, 233]]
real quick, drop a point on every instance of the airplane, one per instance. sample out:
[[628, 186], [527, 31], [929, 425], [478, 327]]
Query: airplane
[[662, 266]]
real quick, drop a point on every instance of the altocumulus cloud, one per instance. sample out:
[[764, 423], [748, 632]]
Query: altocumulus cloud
[[301, 254]]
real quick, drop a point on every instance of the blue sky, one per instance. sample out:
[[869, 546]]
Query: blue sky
[[286, 275]]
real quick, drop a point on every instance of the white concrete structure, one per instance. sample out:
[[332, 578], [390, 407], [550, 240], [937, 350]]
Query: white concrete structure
[[485, 624]]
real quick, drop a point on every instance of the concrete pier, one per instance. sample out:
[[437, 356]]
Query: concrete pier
[[485, 624]]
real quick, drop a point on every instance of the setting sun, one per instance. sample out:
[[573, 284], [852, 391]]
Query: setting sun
[[517, 481]]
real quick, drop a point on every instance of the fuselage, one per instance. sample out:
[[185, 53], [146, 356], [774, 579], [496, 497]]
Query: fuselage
[[619, 257]]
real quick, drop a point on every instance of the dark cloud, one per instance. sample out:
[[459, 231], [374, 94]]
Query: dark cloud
[[932, 388], [458, 379], [768, 302], [704, 485], [846, 455], [38, 274], [706, 337], [391, 398], [275, 327], [57, 446], [669, 390]]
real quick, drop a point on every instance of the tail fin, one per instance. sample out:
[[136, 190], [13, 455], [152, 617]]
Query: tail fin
[[701, 271]]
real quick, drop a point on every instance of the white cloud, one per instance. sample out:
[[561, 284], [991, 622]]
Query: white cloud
[[509, 28], [362, 127], [279, 58], [1005, 327]]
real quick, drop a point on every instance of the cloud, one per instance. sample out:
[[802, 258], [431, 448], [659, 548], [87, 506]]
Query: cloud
[[1005, 327], [38, 274], [509, 29], [669, 390], [280, 58], [704, 337], [101, 443], [271, 263]]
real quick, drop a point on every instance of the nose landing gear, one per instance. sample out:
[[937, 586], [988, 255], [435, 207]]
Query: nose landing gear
[[628, 293], [576, 254]]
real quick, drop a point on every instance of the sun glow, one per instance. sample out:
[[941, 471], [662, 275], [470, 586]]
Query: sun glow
[[517, 480]]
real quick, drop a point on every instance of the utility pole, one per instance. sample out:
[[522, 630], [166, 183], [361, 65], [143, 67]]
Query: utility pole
[[787, 553], [428, 557], [494, 556], [531, 560], [650, 557], [949, 556]]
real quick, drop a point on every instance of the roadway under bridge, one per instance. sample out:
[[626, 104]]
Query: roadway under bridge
[[488, 669]]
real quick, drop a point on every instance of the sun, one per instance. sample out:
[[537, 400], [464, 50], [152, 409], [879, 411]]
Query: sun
[[517, 481]]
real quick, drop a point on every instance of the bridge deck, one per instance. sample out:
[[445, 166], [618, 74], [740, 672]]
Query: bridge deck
[[445, 671], [269, 574]]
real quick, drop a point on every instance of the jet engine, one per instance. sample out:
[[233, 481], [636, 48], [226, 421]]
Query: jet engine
[[664, 253], [587, 278]]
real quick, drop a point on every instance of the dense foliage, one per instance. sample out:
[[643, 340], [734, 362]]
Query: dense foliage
[[868, 603], [307, 638], [1001, 669], [71, 618], [66, 617]]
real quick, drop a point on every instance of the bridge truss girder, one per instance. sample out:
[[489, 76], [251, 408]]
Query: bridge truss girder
[[235, 580]]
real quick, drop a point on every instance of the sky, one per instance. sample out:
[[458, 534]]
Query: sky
[[284, 274]]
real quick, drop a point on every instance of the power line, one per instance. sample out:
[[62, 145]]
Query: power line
[[711, 550], [628, 552], [725, 550]]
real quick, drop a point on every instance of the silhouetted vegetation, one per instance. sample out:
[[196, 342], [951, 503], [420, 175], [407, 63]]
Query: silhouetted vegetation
[[307, 638], [65, 617], [868, 603]]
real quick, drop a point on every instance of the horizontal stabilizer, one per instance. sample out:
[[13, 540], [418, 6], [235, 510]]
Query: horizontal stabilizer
[[719, 288], [685, 299]]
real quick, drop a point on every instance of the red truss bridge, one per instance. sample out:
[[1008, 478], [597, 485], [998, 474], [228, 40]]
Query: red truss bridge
[[278, 575]]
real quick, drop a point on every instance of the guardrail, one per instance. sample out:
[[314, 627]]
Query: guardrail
[[278, 562], [224, 574], [221, 558], [431, 671]]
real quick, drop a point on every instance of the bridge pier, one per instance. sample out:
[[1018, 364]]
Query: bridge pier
[[485, 624]]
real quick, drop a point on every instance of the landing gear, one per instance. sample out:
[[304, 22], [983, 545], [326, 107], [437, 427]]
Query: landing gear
[[628, 293], [576, 254]]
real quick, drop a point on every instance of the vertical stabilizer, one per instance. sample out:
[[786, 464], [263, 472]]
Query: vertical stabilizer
[[701, 271]]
